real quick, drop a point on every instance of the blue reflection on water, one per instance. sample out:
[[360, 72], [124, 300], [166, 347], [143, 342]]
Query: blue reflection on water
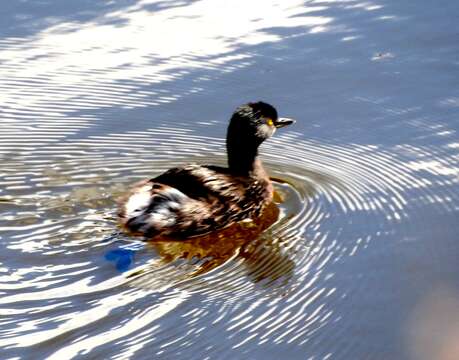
[[123, 258]]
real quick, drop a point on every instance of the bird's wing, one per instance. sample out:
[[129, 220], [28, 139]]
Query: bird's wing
[[208, 183]]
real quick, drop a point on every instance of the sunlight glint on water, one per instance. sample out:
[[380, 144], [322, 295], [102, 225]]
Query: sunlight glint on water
[[88, 109]]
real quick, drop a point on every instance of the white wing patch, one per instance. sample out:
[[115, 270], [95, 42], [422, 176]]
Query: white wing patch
[[138, 201], [162, 217], [142, 210]]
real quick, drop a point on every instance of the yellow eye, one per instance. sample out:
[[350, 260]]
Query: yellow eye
[[269, 122]]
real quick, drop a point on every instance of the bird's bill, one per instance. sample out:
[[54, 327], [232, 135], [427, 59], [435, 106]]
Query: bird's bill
[[283, 121]]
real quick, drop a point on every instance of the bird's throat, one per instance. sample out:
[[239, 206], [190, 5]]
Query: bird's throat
[[242, 158]]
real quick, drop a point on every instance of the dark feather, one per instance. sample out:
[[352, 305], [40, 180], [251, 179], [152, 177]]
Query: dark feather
[[196, 199], [213, 199]]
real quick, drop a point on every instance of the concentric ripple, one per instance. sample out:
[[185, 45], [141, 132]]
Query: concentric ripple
[[76, 276], [361, 245]]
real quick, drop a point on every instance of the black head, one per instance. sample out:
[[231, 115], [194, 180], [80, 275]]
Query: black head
[[249, 126], [256, 121]]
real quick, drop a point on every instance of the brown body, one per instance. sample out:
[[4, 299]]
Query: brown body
[[196, 199], [213, 198]]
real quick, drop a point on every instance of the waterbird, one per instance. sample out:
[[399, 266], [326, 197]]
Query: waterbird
[[195, 199]]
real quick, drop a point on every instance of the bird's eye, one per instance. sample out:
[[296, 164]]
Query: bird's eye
[[269, 122]]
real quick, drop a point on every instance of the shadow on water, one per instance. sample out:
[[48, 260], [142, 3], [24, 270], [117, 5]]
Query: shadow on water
[[377, 111]]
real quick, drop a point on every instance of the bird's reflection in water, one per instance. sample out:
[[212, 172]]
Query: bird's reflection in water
[[253, 241]]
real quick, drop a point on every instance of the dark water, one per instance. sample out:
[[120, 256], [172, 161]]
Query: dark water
[[363, 262]]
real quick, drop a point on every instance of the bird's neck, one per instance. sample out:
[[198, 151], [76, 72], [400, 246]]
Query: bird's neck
[[243, 158]]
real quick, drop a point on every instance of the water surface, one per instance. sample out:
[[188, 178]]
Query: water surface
[[362, 260]]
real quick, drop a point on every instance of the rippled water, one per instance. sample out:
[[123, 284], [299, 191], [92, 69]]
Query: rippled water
[[358, 259]]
